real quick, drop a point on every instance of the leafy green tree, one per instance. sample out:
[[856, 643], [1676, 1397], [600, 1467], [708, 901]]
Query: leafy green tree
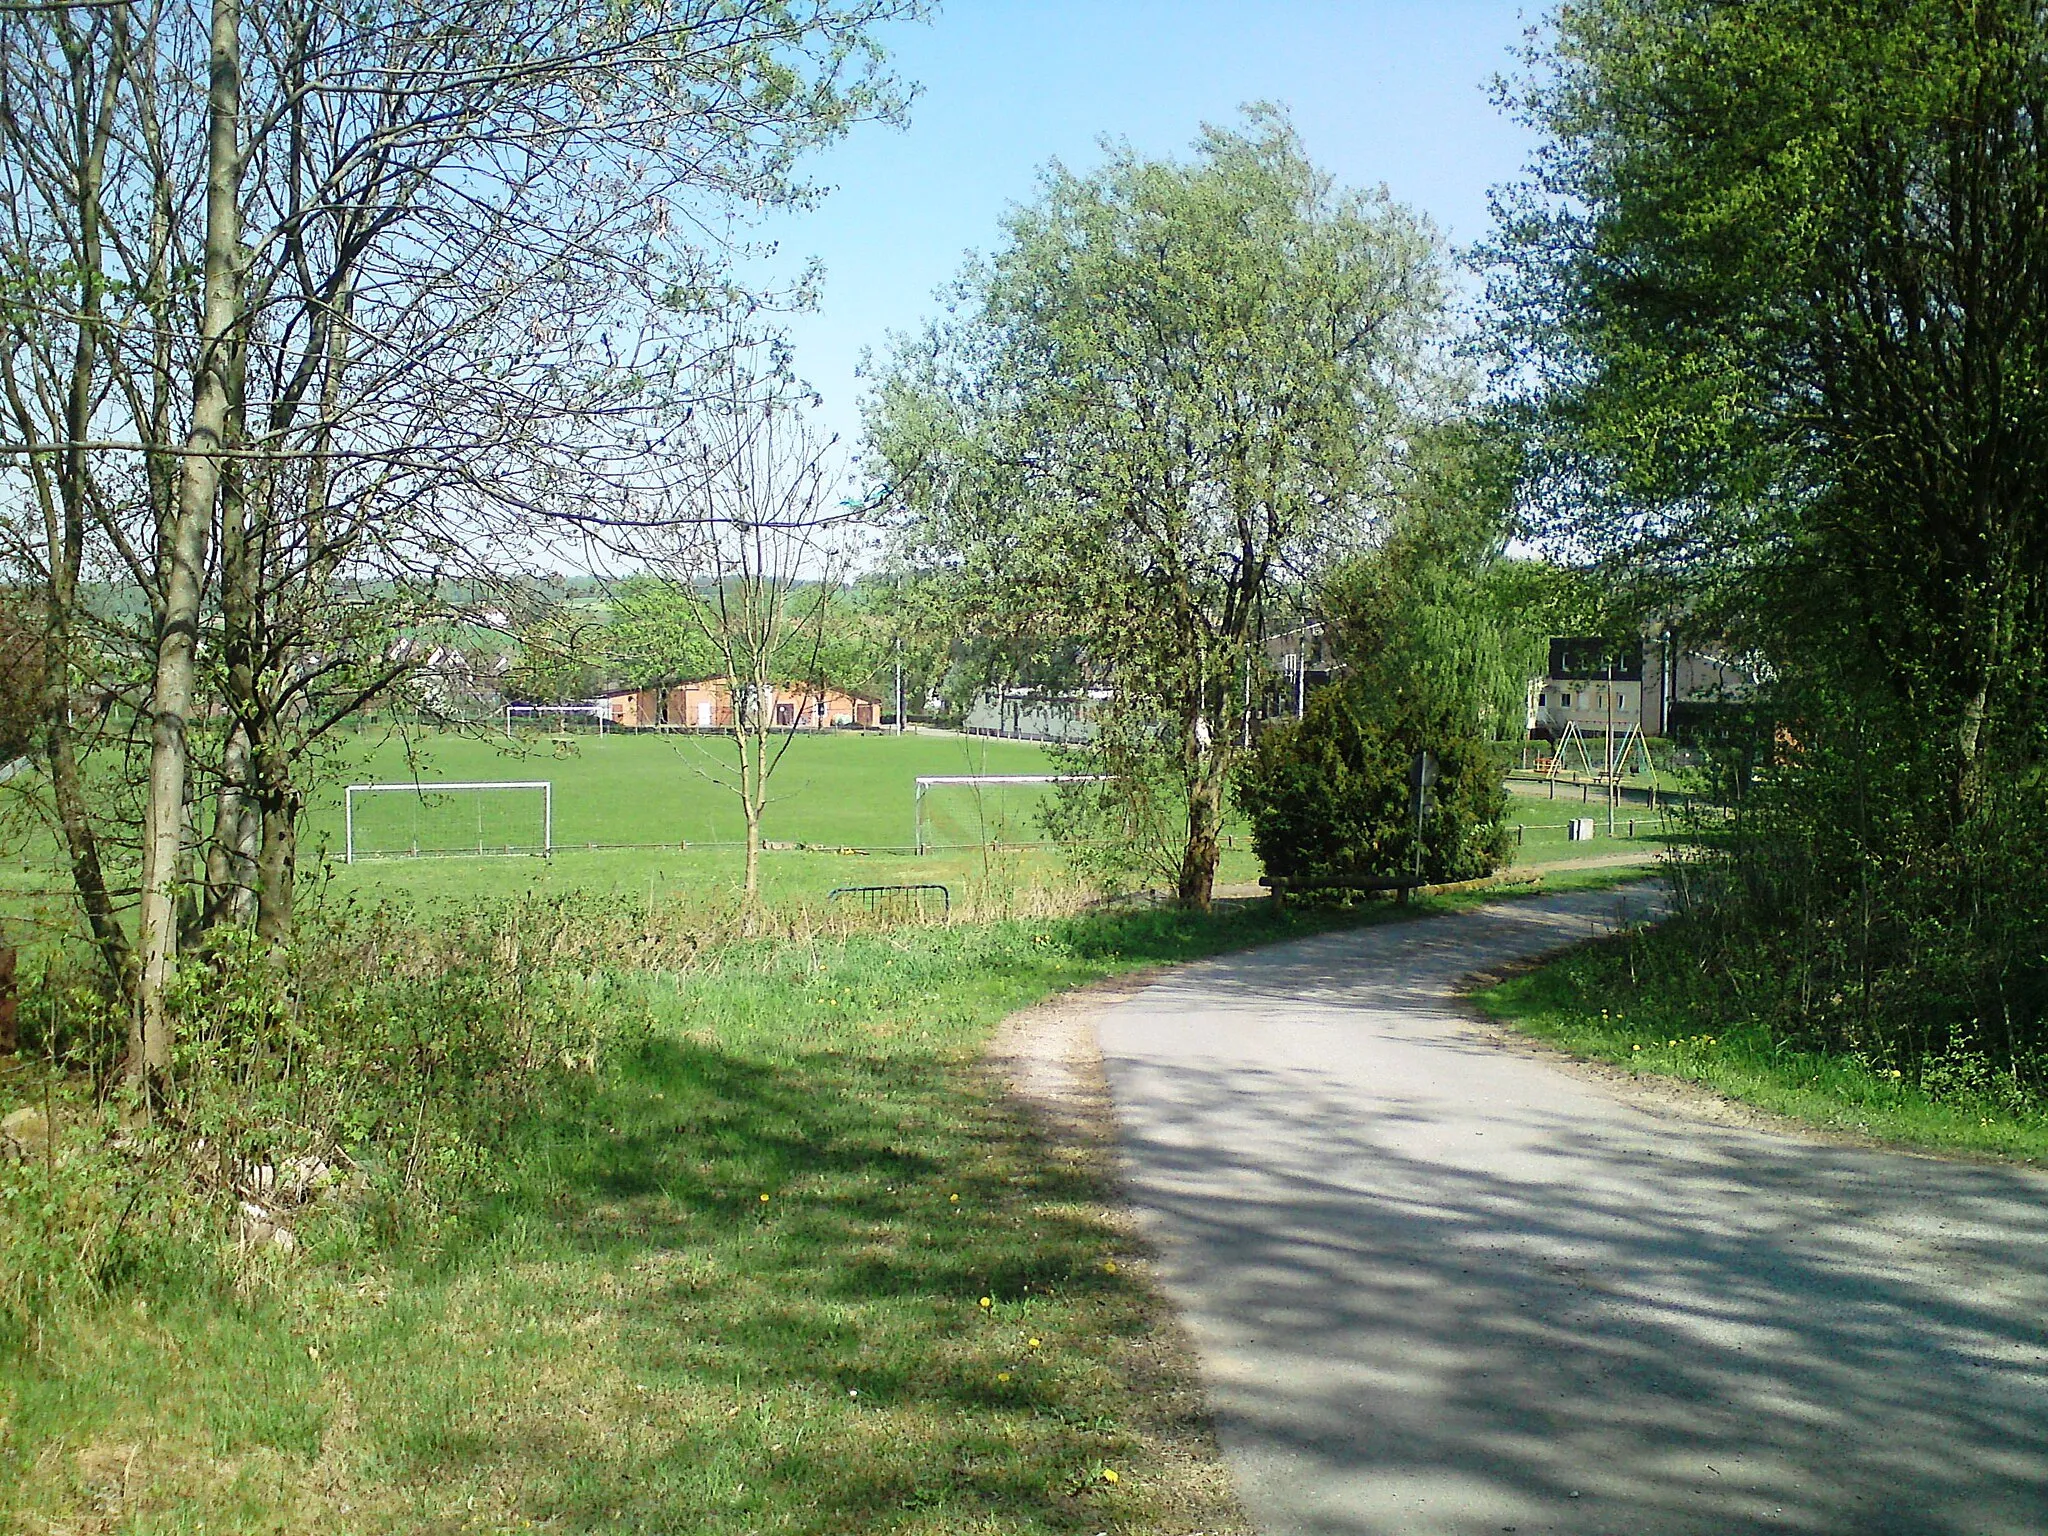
[[655, 635], [1173, 385], [1435, 612], [1782, 277], [1784, 265], [753, 584]]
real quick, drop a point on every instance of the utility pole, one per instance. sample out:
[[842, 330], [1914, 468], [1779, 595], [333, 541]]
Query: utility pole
[[1612, 786]]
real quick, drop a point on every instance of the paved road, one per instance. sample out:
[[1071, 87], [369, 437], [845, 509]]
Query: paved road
[[1440, 1285]]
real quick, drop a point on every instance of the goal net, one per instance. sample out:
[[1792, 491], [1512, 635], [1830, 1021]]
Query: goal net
[[976, 810], [421, 820]]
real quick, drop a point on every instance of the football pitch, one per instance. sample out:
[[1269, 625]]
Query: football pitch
[[649, 814], [648, 791], [645, 815]]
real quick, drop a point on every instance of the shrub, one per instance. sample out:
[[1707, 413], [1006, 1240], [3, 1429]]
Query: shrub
[[1328, 796], [364, 1078], [1860, 906]]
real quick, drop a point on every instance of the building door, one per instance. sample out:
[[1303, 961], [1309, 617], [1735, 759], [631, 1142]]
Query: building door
[[703, 714]]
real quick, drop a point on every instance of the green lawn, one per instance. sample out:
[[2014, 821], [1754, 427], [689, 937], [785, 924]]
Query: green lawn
[[1545, 839], [654, 793], [646, 791]]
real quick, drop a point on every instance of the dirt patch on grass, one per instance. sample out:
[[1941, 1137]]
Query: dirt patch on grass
[[1047, 1060]]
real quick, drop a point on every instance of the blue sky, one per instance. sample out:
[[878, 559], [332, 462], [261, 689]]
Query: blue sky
[[1382, 91]]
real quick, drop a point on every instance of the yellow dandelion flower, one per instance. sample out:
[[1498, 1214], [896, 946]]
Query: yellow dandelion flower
[[764, 1199], [987, 1301], [953, 1199], [1002, 1375], [1109, 1474], [1109, 1266], [1034, 1343]]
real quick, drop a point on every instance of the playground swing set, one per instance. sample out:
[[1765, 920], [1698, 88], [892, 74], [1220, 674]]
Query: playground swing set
[[1573, 754]]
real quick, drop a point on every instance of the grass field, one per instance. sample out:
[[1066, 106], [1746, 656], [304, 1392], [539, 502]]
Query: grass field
[[834, 792], [1544, 823], [646, 790], [680, 828]]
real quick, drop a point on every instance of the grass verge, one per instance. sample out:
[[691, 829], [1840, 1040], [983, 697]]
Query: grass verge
[[1632, 1002], [780, 1259]]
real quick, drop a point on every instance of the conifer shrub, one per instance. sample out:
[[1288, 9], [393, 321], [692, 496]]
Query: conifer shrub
[[1329, 797]]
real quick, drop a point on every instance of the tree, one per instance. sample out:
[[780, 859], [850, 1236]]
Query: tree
[[1780, 287], [1435, 612], [1174, 384], [445, 276], [1782, 267], [1329, 796], [748, 581]]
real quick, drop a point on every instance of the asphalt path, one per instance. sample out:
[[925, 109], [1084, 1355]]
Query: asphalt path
[[1441, 1284]]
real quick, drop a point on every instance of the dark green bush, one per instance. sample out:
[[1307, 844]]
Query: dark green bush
[[1856, 903], [1328, 796]]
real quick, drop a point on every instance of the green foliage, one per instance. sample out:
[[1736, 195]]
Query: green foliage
[[390, 1056], [1782, 374], [1436, 612], [657, 633], [660, 631], [1172, 382], [1122, 820], [1863, 914], [1785, 379], [1329, 795]]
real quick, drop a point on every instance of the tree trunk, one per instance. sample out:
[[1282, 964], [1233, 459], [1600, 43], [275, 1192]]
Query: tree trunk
[[10, 1017], [1969, 748], [66, 555], [278, 863], [231, 858], [751, 891], [183, 557], [81, 844], [1204, 849], [753, 786]]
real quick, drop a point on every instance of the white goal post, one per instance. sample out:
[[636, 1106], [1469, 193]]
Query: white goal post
[[980, 780], [421, 791]]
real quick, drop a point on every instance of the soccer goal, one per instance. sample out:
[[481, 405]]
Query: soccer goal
[[382, 821], [974, 810]]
